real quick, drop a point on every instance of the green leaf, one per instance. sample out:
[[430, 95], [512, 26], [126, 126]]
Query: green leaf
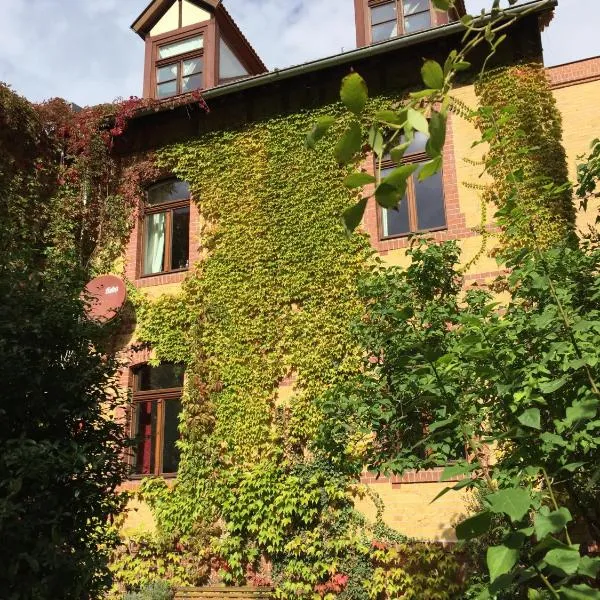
[[318, 131], [455, 470], [359, 179], [474, 527], [441, 4], [399, 176], [500, 560], [397, 153], [353, 216], [430, 168], [389, 196], [553, 522], [548, 387], [565, 559], [531, 418], [514, 502], [462, 65], [433, 75], [349, 144], [534, 594], [579, 592], [580, 410], [417, 120], [376, 140], [589, 567], [437, 134], [354, 93], [572, 467], [389, 116]]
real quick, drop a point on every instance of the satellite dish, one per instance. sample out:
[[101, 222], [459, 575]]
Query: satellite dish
[[104, 297]]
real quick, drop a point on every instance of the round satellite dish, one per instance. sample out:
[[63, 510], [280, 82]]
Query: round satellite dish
[[105, 297]]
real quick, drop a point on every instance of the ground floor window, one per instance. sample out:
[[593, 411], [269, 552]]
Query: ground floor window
[[155, 423]]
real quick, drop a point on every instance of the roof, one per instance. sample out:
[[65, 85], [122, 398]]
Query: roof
[[540, 7], [157, 8]]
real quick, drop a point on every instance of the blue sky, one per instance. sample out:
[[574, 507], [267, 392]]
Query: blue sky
[[83, 50]]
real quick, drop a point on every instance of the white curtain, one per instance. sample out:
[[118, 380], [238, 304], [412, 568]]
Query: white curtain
[[154, 248]]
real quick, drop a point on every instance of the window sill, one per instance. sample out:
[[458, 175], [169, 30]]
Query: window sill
[[162, 278], [405, 236]]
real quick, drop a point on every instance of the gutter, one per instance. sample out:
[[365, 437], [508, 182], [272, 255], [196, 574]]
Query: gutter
[[360, 53]]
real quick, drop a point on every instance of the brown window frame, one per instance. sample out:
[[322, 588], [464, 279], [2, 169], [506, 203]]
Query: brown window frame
[[206, 29], [178, 60], [161, 397], [167, 208], [411, 198], [399, 17]]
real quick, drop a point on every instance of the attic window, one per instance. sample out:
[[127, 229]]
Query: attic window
[[180, 67], [389, 19], [230, 66]]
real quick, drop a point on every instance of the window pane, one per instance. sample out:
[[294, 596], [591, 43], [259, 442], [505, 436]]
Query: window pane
[[165, 90], [414, 6], [192, 83], [192, 66], [417, 22], [154, 243], [230, 66], [189, 45], [383, 13], [180, 247], [170, 451], [430, 202], [167, 73], [164, 377], [395, 222], [145, 435], [168, 191], [385, 31]]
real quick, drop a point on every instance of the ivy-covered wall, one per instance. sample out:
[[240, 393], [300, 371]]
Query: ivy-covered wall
[[269, 306]]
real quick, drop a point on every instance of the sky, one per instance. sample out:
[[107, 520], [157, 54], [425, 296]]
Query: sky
[[85, 51]]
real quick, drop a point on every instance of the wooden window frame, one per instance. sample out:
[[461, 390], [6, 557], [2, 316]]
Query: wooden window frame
[[206, 29], [178, 60], [167, 208], [161, 397], [411, 198], [399, 17]]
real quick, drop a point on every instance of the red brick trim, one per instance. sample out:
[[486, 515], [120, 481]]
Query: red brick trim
[[429, 476], [455, 220], [574, 73]]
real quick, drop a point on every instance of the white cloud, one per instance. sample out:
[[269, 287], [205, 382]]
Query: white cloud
[[83, 50]]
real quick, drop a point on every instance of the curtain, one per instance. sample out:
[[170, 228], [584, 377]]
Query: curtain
[[154, 247]]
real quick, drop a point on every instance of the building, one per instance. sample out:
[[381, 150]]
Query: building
[[194, 46]]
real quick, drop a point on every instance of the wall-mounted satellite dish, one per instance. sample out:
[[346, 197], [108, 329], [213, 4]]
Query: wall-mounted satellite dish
[[105, 296]]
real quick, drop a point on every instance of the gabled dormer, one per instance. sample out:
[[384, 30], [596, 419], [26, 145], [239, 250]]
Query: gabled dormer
[[380, 20], [192, 45]]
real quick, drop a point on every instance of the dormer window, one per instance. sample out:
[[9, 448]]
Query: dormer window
[[192, 45], [180, 67], [380, 20], [389, 19]]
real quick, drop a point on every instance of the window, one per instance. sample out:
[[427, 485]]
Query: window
[[388, 19], [230, 67], [166, 230], [155, 423], [422, 208], [180, 67]]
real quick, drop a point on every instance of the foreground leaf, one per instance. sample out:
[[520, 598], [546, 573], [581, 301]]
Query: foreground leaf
[[354, 93], [565, 559], [355, 180], [349, 144], [318, 131], [531, 418], [553, 522], [474, 526], [433, 75], [514, 502], [579, 592], [353, 216], [500, 560]]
